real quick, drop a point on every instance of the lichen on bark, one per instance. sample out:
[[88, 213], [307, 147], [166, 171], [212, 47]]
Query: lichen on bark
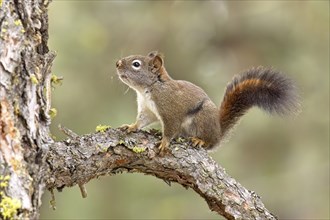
[[24, 104], [33, 161]]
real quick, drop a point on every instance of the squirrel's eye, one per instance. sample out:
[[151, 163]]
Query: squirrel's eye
[[136, 64]]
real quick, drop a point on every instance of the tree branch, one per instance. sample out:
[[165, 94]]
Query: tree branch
[[78, 160]]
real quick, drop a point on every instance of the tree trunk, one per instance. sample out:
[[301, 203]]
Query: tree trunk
[[25, 63], [30, 161]]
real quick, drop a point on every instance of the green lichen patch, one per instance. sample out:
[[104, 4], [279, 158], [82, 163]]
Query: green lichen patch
[[56, 80], [4, 181], [8, 205], [121, 142], [102, 128], [102, 147], [52, 112], [138, 150], [18, 22], [34, 79]]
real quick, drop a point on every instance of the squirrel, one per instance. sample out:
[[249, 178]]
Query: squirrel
[[184, 109]]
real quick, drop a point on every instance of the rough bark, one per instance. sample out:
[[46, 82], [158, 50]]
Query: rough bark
[[31, 161], [79, 159], [24, 104]]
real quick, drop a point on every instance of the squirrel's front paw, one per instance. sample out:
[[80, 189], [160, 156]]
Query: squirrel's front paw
[[129, 128]]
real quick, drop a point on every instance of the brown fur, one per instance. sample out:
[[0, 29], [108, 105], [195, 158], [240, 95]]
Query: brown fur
[[185, 109], [233, 97], [262, 87]]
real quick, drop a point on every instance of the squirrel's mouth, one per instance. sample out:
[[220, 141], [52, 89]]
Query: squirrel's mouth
[[122, 76]]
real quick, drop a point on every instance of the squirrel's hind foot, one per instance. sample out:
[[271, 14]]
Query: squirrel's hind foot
[[163, 146], [196, 142]]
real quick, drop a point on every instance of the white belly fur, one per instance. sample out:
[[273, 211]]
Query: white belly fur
[[144, 101]]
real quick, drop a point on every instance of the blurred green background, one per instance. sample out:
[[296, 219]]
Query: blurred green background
[[286, 162]]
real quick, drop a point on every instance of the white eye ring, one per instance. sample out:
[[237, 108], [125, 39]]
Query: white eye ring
[[136, 64]]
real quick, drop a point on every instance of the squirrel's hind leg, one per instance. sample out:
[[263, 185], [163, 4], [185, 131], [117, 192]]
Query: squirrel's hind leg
[[170, 130]]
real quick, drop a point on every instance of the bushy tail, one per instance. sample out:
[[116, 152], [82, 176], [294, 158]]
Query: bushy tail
[[262, 87]]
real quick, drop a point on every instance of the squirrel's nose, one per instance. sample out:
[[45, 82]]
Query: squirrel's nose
[[119, 63]]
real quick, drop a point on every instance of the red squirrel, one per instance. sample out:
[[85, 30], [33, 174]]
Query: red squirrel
[[184, 109]]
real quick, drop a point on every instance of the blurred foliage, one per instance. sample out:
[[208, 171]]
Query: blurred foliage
[[285, 161]]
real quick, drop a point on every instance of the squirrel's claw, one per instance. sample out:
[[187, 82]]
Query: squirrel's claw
[[196, 142], [163, 146], [129, 128]]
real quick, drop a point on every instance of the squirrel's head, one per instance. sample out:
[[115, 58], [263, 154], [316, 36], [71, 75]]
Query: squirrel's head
[[139, 72]]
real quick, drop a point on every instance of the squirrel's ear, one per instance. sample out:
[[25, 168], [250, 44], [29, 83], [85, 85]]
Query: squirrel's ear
[[152, 54], [156, 61]]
